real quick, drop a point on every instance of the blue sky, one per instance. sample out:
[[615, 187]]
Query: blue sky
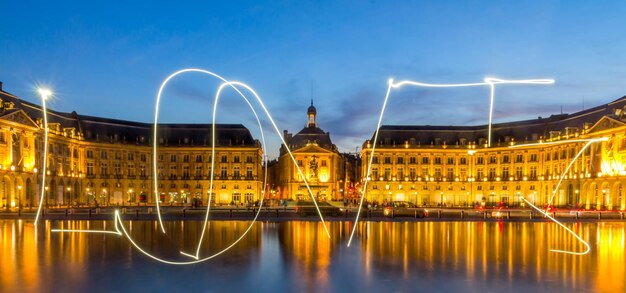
[[108, 58]]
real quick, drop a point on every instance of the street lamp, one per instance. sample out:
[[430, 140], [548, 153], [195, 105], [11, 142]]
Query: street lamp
[[45, 94]]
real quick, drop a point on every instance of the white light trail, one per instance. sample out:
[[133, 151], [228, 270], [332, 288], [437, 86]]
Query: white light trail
[[588, 143], [45, 94], [488, 81], [234, 85], [567, 229]]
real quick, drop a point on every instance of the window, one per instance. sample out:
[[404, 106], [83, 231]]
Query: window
[[437, 160], [450, 161], [131, 156], [198, 171], [412, 173], [198, 158], [375, 160], [424, 160], [387, 160], [224, 159], [117, 169], [533, 157], [236, 159], [533, 172], [89, 154], [480, 160], [185, 171], [249, 173], [142, 170], [463, 161], [118, 155], [130, 170], [400, 174], [387, 173], [480, 174], [89, 168], [493, 159], [492, 173], [450, 174], [185, 158], [173, 171], [375, 173], [173, 158], [519, 158], [505, 172], [104, 169], [412, 160], [236, 172], [505, 159], [400, 160], [323, 163], [103, 155], [518, 172], [249, 159], [223, 175]]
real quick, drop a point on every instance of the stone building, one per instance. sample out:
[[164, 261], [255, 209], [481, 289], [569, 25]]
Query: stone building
[[454, 166], [109, 162]]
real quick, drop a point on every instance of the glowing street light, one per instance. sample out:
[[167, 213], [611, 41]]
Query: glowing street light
[[44, 94]]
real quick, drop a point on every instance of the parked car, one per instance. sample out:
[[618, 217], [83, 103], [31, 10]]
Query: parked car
[[304, 208], [404, 208]]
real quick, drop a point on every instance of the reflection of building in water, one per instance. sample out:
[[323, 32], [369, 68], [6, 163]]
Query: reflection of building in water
[[328, 172], [452, 165], [108, 161], [308, 246], [487, 251]]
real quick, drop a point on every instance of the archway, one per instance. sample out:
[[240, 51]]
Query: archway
[[6, 188], [616, 196], [29, 194]]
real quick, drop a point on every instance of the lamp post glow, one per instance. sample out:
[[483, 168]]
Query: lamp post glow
[[45, 94]]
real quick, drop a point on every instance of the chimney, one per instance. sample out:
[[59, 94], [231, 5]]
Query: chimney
[[0, 86]]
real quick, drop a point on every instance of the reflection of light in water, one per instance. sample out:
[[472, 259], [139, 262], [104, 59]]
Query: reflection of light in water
[[517, 252]]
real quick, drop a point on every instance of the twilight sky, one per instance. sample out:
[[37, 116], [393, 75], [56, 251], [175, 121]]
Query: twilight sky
[[108, 59]]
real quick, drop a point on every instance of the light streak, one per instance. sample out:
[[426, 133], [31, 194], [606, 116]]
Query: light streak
[[45, 94], [564, 227], [488, 81], [234, 85], [556, 188]]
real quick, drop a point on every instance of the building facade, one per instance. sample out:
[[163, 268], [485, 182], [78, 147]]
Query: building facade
[[317, 158], [93, 160], [454, 166]]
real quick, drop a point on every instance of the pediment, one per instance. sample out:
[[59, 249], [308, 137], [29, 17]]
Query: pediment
[[311, 148], [606, 123], [20, 117]]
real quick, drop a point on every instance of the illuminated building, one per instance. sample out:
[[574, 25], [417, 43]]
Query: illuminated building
[[109, 162], [452, 165], [318, 158]]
